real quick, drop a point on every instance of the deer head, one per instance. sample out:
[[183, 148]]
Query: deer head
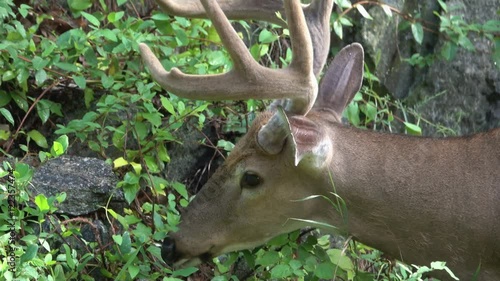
[[239, 201]]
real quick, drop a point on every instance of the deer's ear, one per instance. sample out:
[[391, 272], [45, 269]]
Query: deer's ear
[[308, 144], [342, 79]]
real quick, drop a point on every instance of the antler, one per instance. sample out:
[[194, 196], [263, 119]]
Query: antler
[[250, 9], [248, 79], [317, 16]]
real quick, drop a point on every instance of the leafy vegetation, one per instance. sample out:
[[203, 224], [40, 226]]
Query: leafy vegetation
[[125, 111]]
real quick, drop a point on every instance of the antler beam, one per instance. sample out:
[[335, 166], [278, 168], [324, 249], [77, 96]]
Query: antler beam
[[317, 16], [249, 9], [296, 83]]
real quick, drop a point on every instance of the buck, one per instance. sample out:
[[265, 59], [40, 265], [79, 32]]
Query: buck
[[417, 199]]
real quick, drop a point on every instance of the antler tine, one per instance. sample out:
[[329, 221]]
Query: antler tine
[[247, 79], [246, 9], [318, 21], [302, 49]]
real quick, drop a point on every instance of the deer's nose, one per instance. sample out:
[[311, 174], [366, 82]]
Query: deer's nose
[[168, 251]]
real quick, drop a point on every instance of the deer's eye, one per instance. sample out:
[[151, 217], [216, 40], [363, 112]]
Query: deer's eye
[[250, 180]]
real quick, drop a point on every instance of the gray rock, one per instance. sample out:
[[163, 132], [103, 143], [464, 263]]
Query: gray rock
[[463, 94], [192, 163], [471, 81], [88, 183]]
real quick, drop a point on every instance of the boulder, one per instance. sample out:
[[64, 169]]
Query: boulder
[[87, 182], [464, 93]]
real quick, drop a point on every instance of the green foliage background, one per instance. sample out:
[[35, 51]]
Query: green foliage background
[[127, 112]]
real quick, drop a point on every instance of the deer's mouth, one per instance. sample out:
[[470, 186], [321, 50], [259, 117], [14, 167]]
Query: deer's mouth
[[178, 257], [173, 257]]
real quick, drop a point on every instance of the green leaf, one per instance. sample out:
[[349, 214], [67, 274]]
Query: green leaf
[[339, 258], [7, 115], [4, 134], [352, 113], [387, 10], [108, 34], [142, 130], [181, 37], [80, 81], [158, 221], [130, 186], [40, 76], [63, 141], [61, 197], [119, 217], [413, 129], [119, 162], [118, 239], [279, 240], [213, 36], [8, 75], [90, 58], [268, 259], [181, 107], [161, 17], [254, 50], [418, 32], [93, 20], [371, 111], [66, 66], [39, 63], [23, 172], [325, 270], [24, 10], [449, 50], [443, 6], [496, 54], [30, 253], [42, 203], [226, 145], [216, 58], [88, 94], [40, 140], [43, 110], [345, 21], [133, 270], [163, 153], [151, 164], [181, 189], [465, 42], [126, 245], [363, 12], [337, 28], [153, 118], [345, 4], [263, 49], [267, 36], [79, 5], [57, 149], [115, 16], [439, 265], [492, 26], [185, 272], [69, 257], [107, 81], [281, 271]]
